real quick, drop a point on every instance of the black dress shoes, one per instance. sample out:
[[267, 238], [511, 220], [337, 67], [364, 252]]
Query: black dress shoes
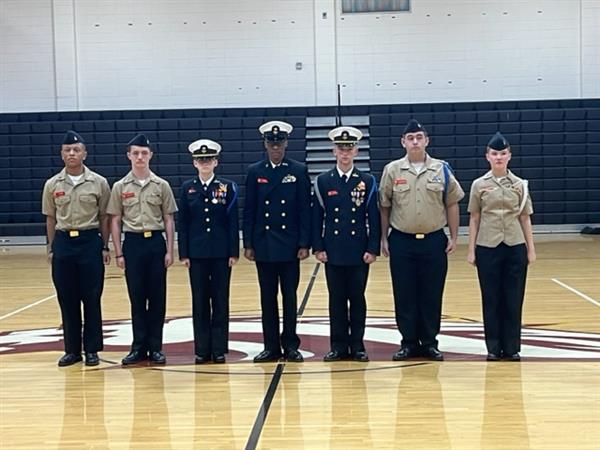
[[267, 356], [334, 355], [433, 354], [202, 359], [512, 357], [403, 354], [360, 357], [493, 357], [69, 359], [91, 359], [158, 357], [134, 357], [219, 359], [294, 356]]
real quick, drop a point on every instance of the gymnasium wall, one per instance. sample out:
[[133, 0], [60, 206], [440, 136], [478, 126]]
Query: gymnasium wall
[[60, 55]]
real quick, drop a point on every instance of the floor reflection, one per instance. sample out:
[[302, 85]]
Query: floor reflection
[[83, 410], [150, 427], [504, 420], [420, 414]]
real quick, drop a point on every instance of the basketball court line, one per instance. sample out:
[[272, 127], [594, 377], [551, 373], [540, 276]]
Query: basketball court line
[[575, 291], [17, 311], [261, 417]]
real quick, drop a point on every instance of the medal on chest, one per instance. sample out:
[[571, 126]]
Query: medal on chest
[[358, 193], [219, 195]]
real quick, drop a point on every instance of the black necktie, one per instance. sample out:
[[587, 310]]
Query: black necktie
[[204, 186], [344, 178]]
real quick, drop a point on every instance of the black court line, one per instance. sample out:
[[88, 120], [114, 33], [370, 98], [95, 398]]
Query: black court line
[[297, 372], [308, 290], [264, 409]]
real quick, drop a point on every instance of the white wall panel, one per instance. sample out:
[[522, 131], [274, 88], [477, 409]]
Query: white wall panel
[[26, 56], [195, 54], [590, 60], [130, 54], [461, 50]]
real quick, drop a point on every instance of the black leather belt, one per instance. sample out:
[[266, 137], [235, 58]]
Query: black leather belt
[[147, 234], [77, 233], [417, 236]]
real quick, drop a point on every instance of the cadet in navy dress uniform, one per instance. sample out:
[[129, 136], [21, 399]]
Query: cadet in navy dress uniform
[[418, 196], [346, 238], [501, 246], [276, 227], [145, 205], [209, 245], [74, 202]]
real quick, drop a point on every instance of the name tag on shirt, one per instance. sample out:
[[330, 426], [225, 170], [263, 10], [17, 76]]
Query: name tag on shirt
[[128, 194], [331, 193], [398, 181], [59, 194], [262, 180]]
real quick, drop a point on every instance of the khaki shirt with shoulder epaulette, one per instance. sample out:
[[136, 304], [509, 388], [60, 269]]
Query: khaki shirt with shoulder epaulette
[[417, 200], [76, 206], [142, 207], [499, 203]]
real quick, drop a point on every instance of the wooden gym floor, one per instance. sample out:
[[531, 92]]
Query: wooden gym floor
[[551, 400]]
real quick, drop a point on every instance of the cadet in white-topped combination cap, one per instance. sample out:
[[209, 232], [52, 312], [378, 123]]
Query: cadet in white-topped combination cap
[[345, 136], [204, 148], [275, 131]]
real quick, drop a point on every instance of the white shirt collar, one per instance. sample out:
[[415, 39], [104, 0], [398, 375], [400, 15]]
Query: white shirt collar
[[340, 173], [207, 183]]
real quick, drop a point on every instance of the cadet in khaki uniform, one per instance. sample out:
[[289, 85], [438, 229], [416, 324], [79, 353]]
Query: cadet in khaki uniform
[[144, 203], [74, 203], [418, 196], [501, 246]]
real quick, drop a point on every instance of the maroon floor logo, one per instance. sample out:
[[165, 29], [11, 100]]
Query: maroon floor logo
[[459, 340]]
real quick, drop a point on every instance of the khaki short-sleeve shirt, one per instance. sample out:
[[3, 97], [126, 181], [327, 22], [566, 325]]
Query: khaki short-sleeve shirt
[[499, 203], [76, 206], [142, 207], [417, 199]]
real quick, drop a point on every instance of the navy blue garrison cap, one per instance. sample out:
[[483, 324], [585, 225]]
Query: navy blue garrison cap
[[139, 140], [72, 137], [498, 142], [413, 126]]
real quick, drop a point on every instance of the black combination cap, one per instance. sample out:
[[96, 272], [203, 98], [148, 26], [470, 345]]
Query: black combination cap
[[139, 140], [413, 126], [72, 137], [498, 142]]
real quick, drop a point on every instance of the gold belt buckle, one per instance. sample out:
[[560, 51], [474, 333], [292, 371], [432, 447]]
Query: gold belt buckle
[[73, 233], [147, 234], [419, 236]]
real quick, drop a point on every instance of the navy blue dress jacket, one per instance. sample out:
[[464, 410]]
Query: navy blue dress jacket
[[346, 221], [208, 220], [277, 213]]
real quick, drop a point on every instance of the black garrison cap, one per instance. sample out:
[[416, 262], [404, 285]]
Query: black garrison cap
[[139, 140], [72, 137], [498, 142], [413, 126]]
